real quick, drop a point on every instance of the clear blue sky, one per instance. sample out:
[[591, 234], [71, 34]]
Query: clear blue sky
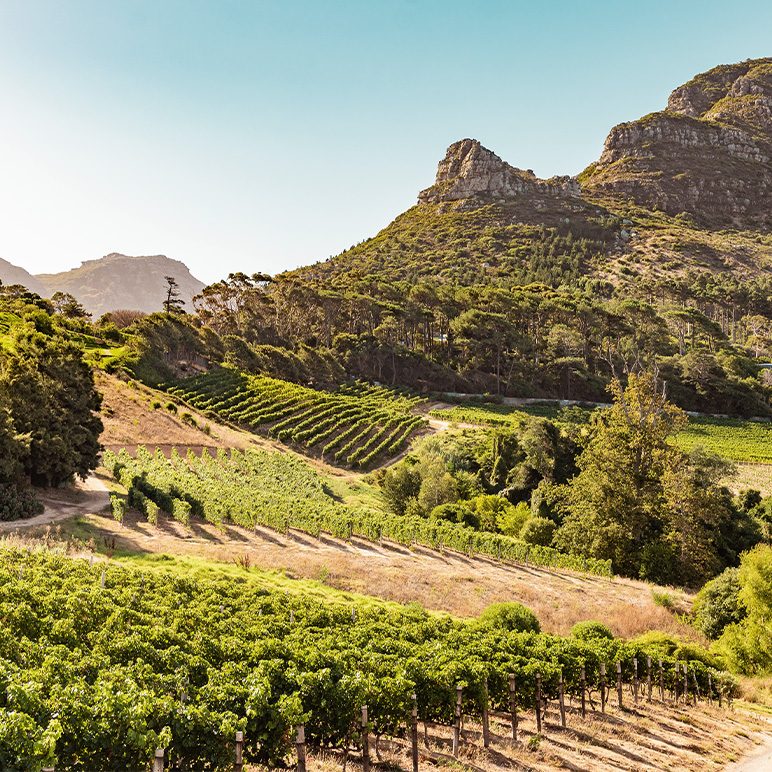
[[264, 135]]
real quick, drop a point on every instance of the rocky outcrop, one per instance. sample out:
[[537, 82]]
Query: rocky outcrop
[[471, 172], [709, 154]]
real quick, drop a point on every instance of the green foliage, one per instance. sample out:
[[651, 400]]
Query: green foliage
[[357, 425], [48, 424], [457, 512], [513, 617], [17, 503], [652, 510], [718, 605], [663, 599], [590, 630], [182, 662], [538, 530], [280, 491], [747, 645], [118, 507], [512, 520]]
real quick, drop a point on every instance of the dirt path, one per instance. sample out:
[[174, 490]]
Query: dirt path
[[758, 760], [84, 497]]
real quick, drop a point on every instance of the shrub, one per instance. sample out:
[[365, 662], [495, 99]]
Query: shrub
[[538, 530], [17, 503], [664, 599], [591, 631], [510, 616], [188, 419], [118, 506], [457, 512], [171, 407], [181, 510], [512, 519], [151, 511], [718, 604]]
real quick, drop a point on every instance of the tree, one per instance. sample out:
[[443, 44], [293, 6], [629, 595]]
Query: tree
[[173, 303], [68, 306], [53, 403], [653, 510]]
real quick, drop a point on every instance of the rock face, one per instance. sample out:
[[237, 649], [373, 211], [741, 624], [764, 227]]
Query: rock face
[[121, 281], [709, 154], [471, 172]]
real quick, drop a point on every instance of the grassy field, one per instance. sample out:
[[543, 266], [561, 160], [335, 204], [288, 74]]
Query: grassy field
[[734, 439]]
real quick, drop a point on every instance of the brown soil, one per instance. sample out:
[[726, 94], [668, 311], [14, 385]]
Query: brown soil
[[643, 737]]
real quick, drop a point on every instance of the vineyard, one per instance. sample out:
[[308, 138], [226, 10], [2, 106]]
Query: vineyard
[[89, 653], [278, 491], [357, 425], [735, 439]]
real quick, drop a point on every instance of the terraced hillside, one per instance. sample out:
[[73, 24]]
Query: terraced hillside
[[358, 425]]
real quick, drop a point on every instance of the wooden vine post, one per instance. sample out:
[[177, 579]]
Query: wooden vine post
[[562, 698], [239, 765], [513, 704], [538, 703], [710, 690], [583, 684], [619, 685], [300, 744], [697, 695], [414, 734], [486, 729], [635, 680], [661, 682], [158, 760], [457, 722], [686, 685], [648, 679], [602, 687], [676, 682], [365, 742]]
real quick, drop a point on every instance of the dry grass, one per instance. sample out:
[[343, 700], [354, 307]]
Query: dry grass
[[444, 582]]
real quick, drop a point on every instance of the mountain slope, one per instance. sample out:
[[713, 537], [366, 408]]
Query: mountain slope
[[13, 274], [685, 189], [120, 281]]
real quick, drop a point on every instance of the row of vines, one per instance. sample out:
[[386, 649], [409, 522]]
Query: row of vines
[[259, 488], [101, 664], [356, 425]]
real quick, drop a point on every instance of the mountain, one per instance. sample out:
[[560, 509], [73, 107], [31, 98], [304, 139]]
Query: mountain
[[121, 281], [684, 190], [12, 274], [709, 153]]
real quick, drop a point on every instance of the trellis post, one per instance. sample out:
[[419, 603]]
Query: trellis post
[[583, 683], [158, 760], [602, 687], [486, 730], [619, 684], [365, 741], [648, 679], [513, 704], [414, 734], [300, 744], [457, 722], [562, 696], [239, 765], [538, 703]]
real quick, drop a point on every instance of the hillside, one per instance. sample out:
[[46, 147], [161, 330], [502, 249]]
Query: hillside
[[13, 274], [687, 188], [118, 281]]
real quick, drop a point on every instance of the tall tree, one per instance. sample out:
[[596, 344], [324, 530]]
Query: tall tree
[[173, 303]]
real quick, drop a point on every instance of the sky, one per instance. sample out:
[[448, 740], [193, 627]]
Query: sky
[[259, 136]]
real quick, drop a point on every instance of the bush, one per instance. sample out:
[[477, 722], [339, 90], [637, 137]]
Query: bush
[[171, 407], [718, 604], [181, 510], [457, 512], [151, 511], [17, 503], [538, 530], [591, 631], [510, 616], [118, 506], [511, 521], [664, 599]]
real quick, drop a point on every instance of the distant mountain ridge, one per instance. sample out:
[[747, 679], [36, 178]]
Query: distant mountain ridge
[[686, 189], [112, 282]]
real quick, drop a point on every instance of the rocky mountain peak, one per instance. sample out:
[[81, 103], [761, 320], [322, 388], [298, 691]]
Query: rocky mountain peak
[[471, 171], [709, 154]]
